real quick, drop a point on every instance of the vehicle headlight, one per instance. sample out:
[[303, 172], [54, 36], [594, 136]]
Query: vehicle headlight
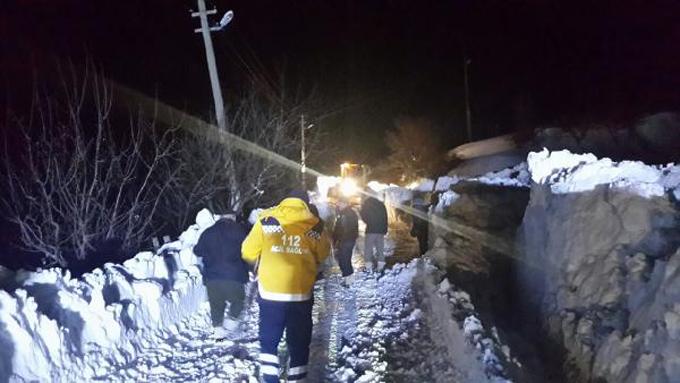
[[349, 187]]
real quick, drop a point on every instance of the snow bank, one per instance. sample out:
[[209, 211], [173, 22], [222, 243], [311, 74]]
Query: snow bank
[[428, 185], [445, 200], [493, 354], [396, 196], [56, 328], [517, 176], [379, 187], [566, 172]]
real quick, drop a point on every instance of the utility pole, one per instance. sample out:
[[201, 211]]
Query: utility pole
[[468, 115], [205, 30], [303, 151], [303, 154]]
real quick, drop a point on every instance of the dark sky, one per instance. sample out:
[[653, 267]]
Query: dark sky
[[374, 61]]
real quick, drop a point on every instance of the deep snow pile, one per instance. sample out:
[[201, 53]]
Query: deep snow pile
[[566, 172], [56, 328], [446, 199], [517, 176], [442, 184]]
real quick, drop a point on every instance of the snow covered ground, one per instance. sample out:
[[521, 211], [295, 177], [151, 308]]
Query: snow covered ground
[[144, 322], [380, 329]]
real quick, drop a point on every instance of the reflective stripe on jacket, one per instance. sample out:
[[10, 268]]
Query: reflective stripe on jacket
[[290, 244]]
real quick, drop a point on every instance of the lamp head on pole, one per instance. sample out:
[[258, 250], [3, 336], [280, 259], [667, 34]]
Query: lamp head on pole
[[226, 19]]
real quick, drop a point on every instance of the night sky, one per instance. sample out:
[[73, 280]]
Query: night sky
[[532, 62]]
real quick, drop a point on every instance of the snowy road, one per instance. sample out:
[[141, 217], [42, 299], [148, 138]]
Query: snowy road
[[378, 330]]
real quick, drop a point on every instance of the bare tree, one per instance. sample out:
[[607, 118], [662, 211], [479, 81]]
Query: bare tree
[[215, 174], [79, 178], [415, 152]]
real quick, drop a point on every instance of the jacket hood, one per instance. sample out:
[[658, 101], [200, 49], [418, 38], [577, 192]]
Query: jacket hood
[[292, 211]]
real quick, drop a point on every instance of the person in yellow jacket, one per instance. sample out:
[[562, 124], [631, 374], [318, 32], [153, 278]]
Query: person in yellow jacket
[[287, 244]]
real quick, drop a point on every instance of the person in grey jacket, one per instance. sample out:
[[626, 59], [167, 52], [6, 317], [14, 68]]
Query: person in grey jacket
[[374, 214]]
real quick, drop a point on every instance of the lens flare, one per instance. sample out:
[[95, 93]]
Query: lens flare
[[175, 117], [349, 187]]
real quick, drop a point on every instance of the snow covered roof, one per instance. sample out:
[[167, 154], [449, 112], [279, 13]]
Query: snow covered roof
[[485, 147], [567, 172]]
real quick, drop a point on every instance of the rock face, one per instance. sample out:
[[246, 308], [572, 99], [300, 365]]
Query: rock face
[[605, 281], [473, 247]]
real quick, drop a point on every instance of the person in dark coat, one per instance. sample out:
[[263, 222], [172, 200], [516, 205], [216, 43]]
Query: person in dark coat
[[345, 236], [374, 214], [224, 271], [420, 226]]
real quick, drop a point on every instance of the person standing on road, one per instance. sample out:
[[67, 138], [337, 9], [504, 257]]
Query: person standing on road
[[420, 225], [374, 214], [345, 236], [287, 243], [224, 272]]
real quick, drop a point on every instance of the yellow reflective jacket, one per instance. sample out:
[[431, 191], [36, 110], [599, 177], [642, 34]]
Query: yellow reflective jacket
[[290, 243]]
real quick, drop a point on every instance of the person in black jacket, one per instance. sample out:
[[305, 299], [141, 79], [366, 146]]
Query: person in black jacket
[[420, 226], [374, 214], [345, 236], [224, 272]]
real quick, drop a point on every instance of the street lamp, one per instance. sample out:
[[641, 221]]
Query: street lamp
[[303, 151], [205, 30]]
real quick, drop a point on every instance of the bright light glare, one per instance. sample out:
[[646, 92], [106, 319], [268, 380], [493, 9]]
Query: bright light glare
[[170, 115], [324, 184], [349, 187]]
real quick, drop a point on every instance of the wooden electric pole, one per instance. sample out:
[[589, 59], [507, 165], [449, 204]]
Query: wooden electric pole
[[205, 30], [303, 151], [468, 114]]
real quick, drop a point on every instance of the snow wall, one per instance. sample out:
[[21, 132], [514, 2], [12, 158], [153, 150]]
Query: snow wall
[[605, 237], [596, 264], [56, 328]]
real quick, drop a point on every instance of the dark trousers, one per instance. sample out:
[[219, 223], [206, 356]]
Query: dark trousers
[[344, 257], [296, 319], [221, 291], [422, 240]]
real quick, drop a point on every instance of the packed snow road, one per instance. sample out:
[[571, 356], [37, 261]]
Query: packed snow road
[[380, 329]]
